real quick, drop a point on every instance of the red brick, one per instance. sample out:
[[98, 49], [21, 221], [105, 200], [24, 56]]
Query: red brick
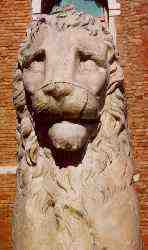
[[132, 36]]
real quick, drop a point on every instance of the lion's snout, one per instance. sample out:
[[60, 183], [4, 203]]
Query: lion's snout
[[70, 101], [58, 89]]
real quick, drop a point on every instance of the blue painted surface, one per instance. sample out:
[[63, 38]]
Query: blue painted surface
[[88, 6]]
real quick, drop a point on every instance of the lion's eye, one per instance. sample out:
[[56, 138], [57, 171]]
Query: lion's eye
[[87, 63], [91, 56], [38, 56], [83, 57]]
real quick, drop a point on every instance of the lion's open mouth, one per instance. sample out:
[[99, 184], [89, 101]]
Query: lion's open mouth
[[66, 118], [67, 139]]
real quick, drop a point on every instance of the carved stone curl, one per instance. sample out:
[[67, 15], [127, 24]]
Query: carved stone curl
[[74, 177]]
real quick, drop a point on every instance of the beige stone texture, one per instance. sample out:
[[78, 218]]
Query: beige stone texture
[[75, 169]]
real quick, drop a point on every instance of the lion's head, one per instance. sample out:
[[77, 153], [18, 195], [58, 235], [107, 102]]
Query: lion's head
[[68, 91]]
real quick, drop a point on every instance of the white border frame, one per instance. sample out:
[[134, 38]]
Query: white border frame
[[36, 7], [114, 10]]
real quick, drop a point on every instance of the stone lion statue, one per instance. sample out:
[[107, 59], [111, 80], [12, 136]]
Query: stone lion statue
[[74, 177]]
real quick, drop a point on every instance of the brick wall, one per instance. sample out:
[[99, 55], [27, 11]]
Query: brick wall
[[132, 30], [14, 16], [132, 36], [7, 197]]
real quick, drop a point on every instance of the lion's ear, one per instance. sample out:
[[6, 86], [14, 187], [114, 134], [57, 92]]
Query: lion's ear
[[115, 76]]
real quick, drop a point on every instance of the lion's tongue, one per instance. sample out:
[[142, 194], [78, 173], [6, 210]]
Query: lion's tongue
[[68, 136]]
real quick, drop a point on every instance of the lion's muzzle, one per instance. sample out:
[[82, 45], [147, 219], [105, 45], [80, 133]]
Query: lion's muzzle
[[69, 101]]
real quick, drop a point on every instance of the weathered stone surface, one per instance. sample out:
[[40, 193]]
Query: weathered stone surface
[[75, 172]]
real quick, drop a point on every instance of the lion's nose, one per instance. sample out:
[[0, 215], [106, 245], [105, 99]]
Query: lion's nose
[[58, 89]]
